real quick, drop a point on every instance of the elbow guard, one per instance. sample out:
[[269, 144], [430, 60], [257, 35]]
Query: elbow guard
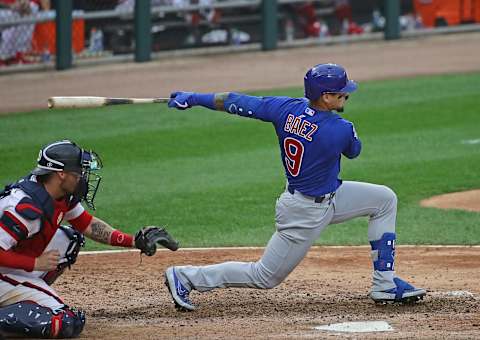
[[241, 105]]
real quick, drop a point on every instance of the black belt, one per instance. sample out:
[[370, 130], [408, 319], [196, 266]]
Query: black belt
[[317, 199]]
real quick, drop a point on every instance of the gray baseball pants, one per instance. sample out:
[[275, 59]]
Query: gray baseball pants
[[299, 222]]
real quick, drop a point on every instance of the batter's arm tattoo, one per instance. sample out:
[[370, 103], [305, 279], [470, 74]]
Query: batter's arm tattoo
[[220, 100], [99, 231]]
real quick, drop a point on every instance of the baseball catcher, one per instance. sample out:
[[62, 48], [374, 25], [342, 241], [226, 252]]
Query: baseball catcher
[[35, 248]]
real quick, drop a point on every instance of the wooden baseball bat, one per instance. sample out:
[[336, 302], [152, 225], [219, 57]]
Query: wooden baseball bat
[[85, 101]]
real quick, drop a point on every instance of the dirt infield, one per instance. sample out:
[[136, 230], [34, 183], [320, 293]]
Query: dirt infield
[[465, 200], [244, 71], [125, 298]]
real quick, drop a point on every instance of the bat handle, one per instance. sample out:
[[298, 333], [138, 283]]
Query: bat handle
[[161, 100]]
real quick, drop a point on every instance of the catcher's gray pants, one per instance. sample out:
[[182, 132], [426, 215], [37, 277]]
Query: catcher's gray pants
[[299, 222]]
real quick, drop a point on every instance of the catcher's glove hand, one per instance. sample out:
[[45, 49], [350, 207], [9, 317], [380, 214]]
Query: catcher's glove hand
[[146, 240]]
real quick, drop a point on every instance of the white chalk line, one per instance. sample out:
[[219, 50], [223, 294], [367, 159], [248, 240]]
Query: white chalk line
[[96, 252]]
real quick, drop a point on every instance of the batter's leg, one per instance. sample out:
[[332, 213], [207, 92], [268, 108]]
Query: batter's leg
[[379, 204], [298, 225], [281, 256]]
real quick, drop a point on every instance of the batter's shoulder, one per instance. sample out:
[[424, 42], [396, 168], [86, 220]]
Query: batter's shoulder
[[343, 127], [282, 100], [345, 123]]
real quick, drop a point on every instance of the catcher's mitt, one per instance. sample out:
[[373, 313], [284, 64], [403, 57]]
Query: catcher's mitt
[[146, 240]]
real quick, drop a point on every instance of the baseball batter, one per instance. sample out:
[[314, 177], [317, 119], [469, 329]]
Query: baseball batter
[[312, 138], [35, 248]]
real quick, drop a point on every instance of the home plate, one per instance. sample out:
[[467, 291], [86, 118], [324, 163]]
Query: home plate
[[357, 327]]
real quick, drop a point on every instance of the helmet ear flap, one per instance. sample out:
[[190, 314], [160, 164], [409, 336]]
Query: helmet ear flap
[[312, 90]]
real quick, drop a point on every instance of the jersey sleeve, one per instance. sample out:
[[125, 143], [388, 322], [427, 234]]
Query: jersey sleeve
[[78, 217], [10, 259], [353, 145], [266, 109], [19, 219]]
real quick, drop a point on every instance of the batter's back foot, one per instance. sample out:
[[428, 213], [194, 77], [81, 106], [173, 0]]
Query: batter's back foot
[[403, 293], [177, 291]]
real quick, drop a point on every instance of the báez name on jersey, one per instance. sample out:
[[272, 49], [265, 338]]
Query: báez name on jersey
[[300, 127]]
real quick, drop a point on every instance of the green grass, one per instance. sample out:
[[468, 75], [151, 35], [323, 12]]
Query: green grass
[[213, 178]]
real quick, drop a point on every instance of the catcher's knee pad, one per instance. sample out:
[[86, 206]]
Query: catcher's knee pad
[[71, 322], [75, 241], [32, 320], [383, 252]]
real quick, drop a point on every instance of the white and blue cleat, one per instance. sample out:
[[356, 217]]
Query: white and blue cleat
[[178, 291], [402, 293]]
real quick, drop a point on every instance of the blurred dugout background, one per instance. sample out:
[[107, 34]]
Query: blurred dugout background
[[105, 28]]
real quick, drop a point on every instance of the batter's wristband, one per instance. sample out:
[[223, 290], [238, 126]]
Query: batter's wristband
[[205, 100], [120, 239]]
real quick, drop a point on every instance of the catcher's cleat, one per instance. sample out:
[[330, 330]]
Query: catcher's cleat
[[178, 291], [402, 293]]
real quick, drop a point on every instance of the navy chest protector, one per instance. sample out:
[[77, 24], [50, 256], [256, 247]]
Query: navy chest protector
[[39, 204]]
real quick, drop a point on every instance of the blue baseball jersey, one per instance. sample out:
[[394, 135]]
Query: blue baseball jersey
[[311, 141]]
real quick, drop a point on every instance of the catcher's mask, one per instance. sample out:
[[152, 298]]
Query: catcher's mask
[[65, 155]]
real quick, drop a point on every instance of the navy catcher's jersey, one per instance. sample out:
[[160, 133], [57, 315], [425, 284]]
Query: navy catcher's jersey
[[311, 141]]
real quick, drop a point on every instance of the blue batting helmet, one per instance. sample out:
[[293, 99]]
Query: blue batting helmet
[[325, 78]]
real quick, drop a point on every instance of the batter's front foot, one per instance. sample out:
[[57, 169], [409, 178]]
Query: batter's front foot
[[402, 293], [177, 291]]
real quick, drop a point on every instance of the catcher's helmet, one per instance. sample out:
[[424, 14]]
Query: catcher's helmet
[[65, 155], [327, 78], [59, 156]]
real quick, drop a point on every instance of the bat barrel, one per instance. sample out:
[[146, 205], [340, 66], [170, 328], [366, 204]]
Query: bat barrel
[[84, 102], [75, 102]]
